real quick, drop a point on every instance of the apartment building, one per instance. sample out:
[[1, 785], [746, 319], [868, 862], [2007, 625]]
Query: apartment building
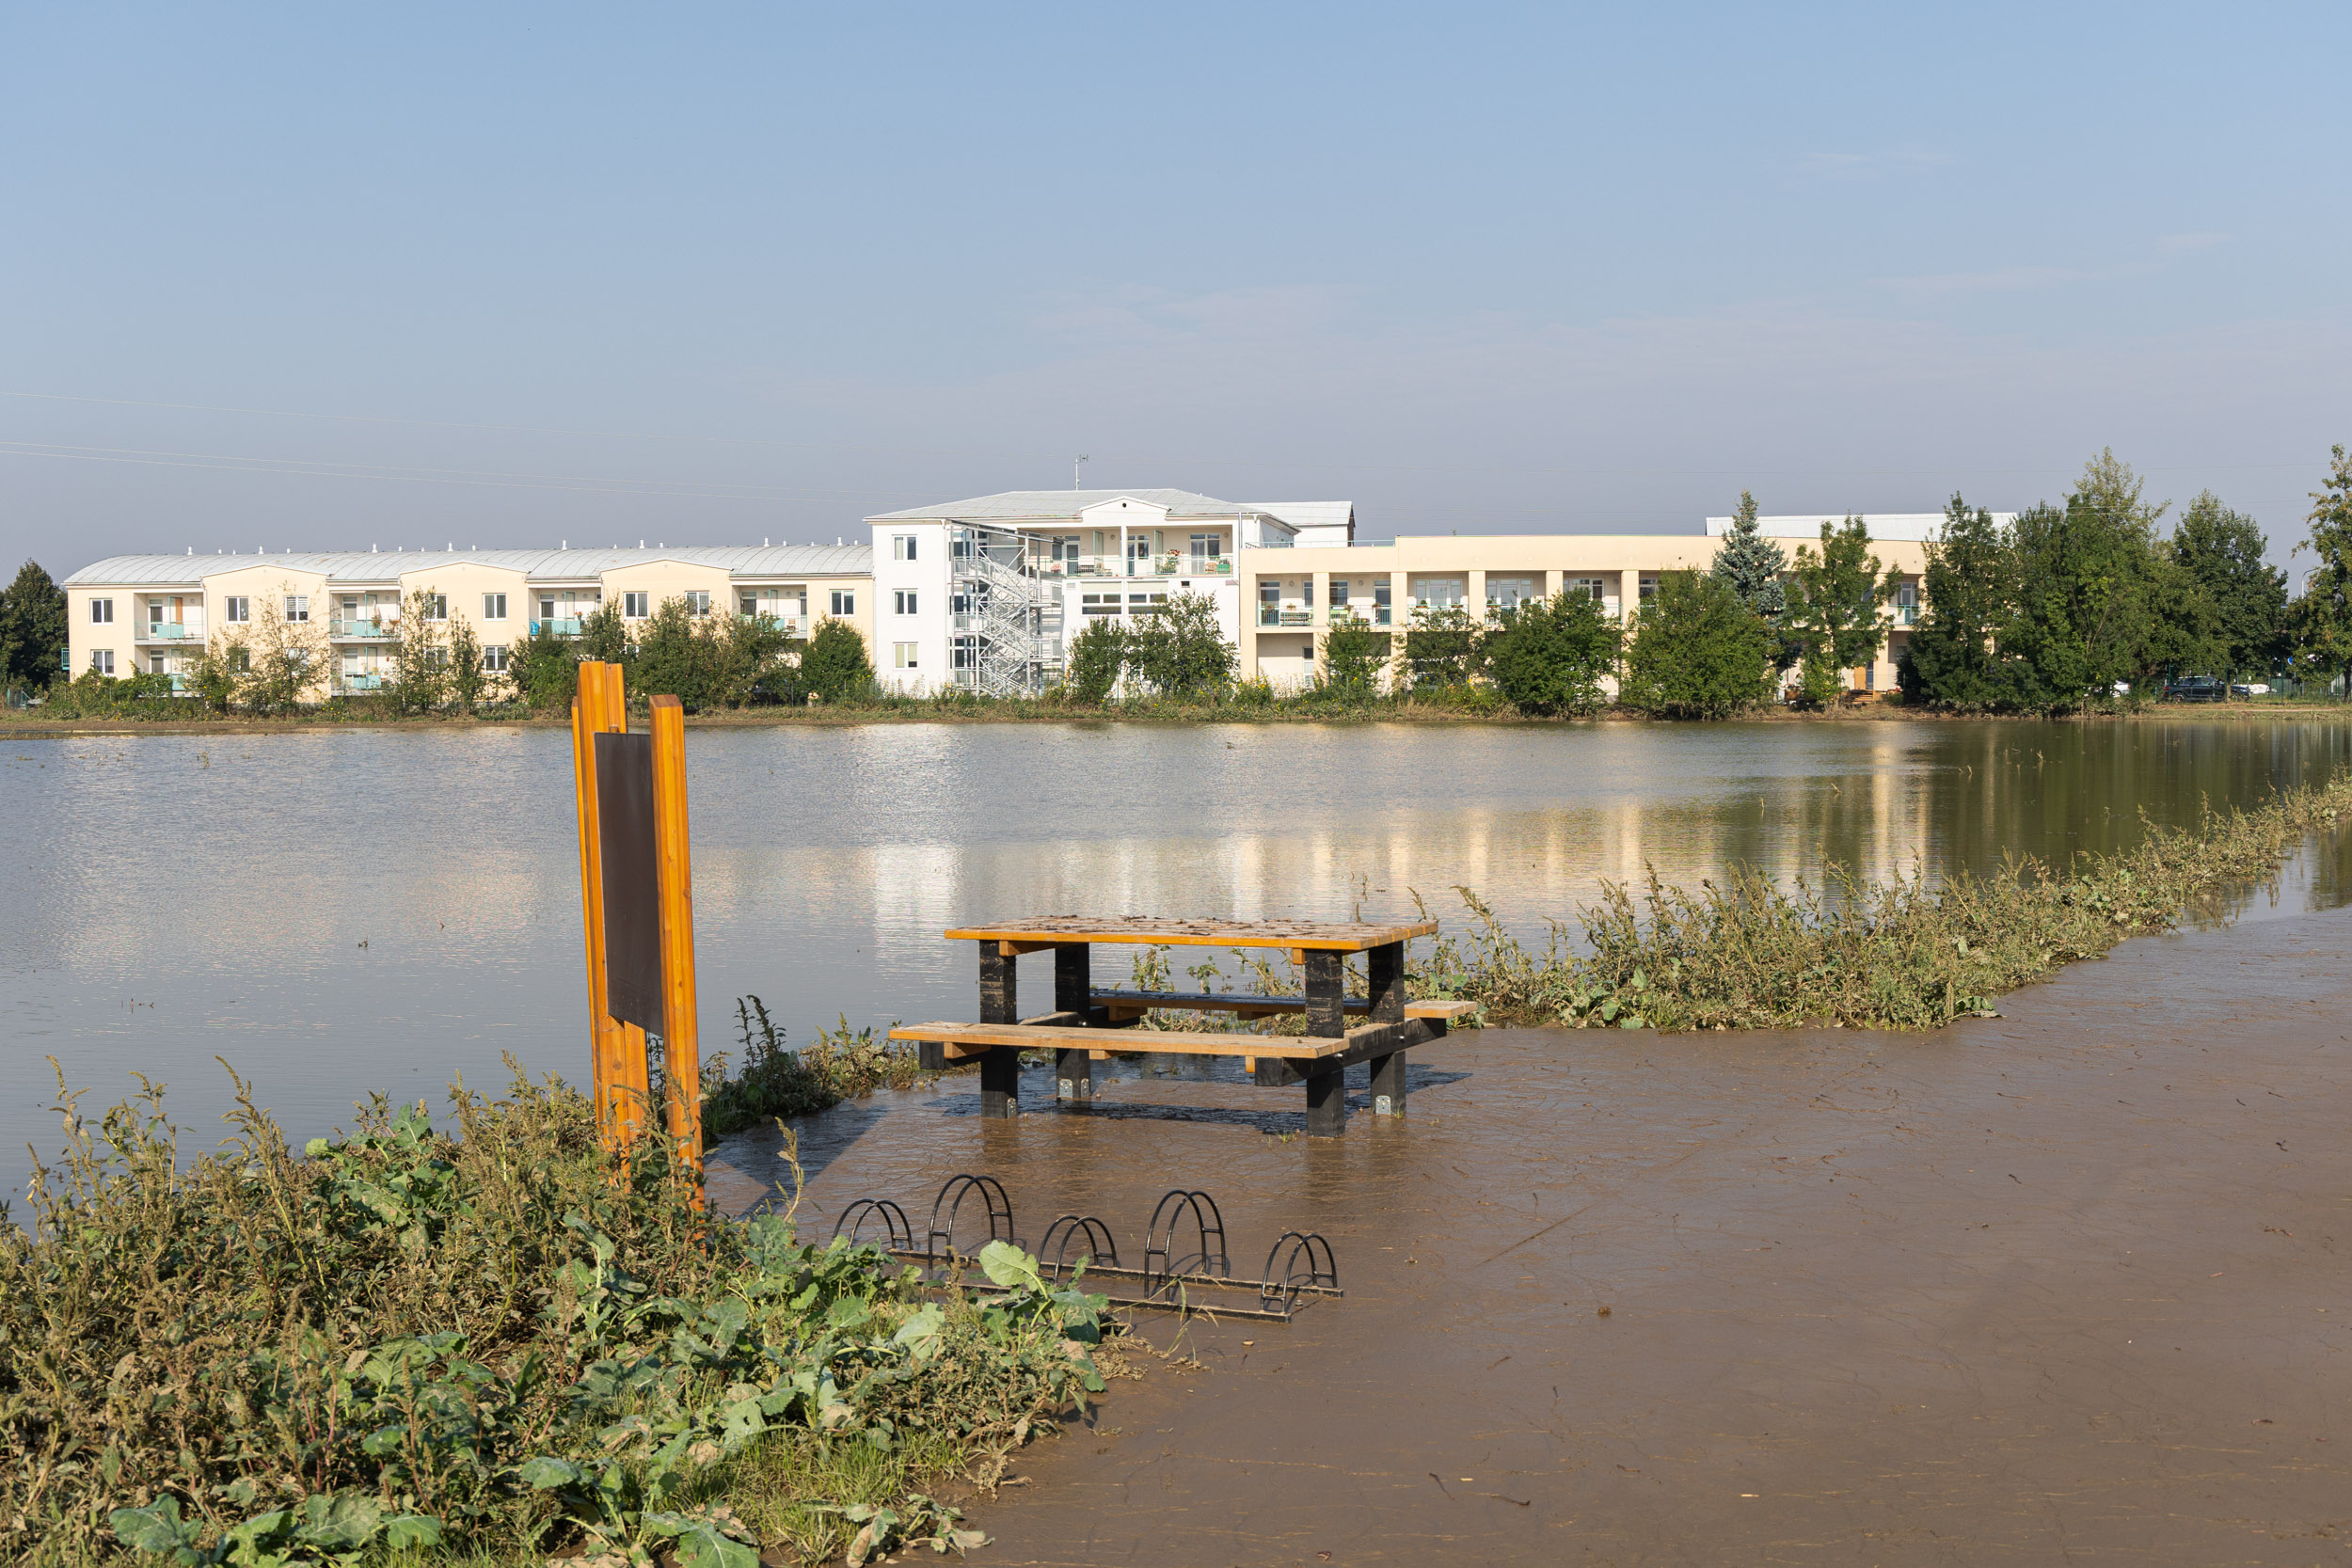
[[985, 593], [152, 613]]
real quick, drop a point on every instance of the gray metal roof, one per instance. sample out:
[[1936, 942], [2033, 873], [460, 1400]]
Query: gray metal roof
[[742, 561], [1051, 505]]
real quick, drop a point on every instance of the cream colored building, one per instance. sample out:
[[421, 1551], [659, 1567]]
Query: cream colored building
[[152, 613]]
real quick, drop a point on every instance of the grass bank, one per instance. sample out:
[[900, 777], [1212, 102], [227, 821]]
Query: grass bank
[[1743, 954], [402, 1346]]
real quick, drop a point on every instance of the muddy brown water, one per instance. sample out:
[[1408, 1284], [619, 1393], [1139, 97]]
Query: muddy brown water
[[2059, 1286]]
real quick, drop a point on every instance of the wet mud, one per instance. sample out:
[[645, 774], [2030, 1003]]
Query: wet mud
[[2059, 1286]]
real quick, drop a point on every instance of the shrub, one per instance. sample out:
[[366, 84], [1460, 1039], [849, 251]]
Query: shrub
[[833, 668], [1440, 647], [1179, 651], [1096, 655], [1698, 652], [1549, 656], [1354, 658]]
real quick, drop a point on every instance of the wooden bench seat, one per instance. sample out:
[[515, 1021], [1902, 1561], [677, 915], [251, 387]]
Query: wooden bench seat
[[964, 1041], [1133, 1003]]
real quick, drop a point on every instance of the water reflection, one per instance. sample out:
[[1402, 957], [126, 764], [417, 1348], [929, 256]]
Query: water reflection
[[332, 910]]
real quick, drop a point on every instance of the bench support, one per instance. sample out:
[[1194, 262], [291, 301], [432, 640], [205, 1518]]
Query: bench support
[[1000, 1002], [1326, 1016], [1388, 1084], [1384, 974], [1073, 992]]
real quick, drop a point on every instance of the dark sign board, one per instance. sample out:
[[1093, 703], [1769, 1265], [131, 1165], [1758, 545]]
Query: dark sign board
[[632, 888]]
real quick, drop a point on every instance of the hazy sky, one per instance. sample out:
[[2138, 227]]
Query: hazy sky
[[316, 278]]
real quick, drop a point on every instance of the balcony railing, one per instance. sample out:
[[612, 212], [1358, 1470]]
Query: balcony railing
[[373, 630], [1269, 616], [170, 631], [560, 625], [362, 683]]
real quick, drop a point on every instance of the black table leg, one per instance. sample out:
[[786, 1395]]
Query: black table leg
[[1326, 1018], [1385, 973], [1000, 1002], [1073, 992]]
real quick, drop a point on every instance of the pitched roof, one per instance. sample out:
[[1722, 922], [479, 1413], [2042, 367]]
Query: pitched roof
[[742, 561], [1010, 506]]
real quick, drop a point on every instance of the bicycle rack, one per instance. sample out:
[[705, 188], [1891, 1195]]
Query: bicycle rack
[[897, 1234], [1301, 1263], [941, 1240], [1280, 1294], [1092, 1236]]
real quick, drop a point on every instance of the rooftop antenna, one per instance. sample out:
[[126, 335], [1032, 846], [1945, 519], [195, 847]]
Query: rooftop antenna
[[1073, 468]]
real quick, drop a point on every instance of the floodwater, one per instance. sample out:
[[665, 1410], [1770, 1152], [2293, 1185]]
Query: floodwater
[[336, 911], [2059, 1286]]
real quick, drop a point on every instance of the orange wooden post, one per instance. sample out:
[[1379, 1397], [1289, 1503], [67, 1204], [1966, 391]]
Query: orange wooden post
[[680, 1028], [626, 1114], [587, 719]]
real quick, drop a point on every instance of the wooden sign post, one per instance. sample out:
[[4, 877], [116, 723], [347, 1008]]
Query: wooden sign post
[[637, 895]]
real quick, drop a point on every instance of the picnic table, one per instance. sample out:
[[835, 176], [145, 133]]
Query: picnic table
[[1082, 1028]]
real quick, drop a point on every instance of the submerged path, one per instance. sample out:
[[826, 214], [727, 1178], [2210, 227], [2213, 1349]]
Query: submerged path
[[2059, 1286]]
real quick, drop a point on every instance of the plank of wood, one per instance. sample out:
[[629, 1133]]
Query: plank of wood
[[962, 1041], [1135, 1003], [1137, 930], [681, 1028]]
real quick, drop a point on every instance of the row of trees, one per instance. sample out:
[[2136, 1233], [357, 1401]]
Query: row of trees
[[2081, 600]]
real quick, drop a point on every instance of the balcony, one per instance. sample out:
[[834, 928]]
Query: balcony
[[361, 683], [561, 626], [171, 631], [1270, 616], [1906, 615], [372, 631]]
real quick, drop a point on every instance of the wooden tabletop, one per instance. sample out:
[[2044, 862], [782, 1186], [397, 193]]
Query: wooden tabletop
[[1337, 936]]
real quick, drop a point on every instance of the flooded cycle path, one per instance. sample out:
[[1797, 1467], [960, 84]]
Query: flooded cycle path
[[2062, 1283]]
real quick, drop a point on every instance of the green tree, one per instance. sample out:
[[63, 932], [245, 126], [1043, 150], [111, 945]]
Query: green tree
[[834, 667], [2091, 589], [604, 636], [1750, 565], [281, 662], [2221, 550], [1549, 656], [1354, 658], [1441, 646], [1698, 651], [1833, 600], [2323, 612], [544, 669], [419, 654], [679, 655], [1179, 651], [214, 674], [1096, 655], [1954, 657], [32, 629], [468, 679]]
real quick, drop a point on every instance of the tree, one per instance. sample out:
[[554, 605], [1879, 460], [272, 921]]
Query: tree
[[833, 668], [1354, 655], [604, 636], [2323, 613], [2222, 551], [32, 628], [468, 679], [1549, 656], [1096, 655], [544, 669], [419, 652], [1750, 565], [677, 655], [1698, 651], [279, 663], [1834, 602], [751, 650], [2090, 591], [1440, 647], [1179, 650], [1954, 657]]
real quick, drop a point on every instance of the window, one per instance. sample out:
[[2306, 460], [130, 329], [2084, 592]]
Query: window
[[1141, 604], [1380, 595], [547, 609], [494, 658], [1207, 547], [437, 607], [154, 613], [843, 601], [1585, 587], [902, 601], [437, 658], [632, 607], [1098, 604], [102, 661], [101, 612], [1339, 592], [1269, 593], [959, 604], [238, 608], [750, 604], [1650, 588], [154, 664], [297, 607], [902, 546], [494, 606], [963, 653], [902, 654], [240, 659], [698, 602]]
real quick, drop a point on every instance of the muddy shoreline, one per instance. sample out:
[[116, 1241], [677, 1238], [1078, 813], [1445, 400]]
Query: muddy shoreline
[[2060, 1283]]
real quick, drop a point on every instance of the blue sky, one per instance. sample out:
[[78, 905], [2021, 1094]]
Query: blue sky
[[323, 278]]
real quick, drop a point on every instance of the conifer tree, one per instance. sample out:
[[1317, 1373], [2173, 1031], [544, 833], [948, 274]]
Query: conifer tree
[[1750, 565]]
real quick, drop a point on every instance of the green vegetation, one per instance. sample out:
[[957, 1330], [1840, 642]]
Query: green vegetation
[[2320, 621], [1096, 655], [32, 630], [1177, 651], [1744, 953], [1356, 659], [403, 1346], [1698, 651], [1549, 657], [1832, 609], [842, 1063], [834, 669]]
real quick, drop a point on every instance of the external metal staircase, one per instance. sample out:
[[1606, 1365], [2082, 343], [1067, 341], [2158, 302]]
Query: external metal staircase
[[1008, 620]]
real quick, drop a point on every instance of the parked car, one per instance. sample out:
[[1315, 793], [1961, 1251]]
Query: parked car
[[2251, 689], [2195, 689]]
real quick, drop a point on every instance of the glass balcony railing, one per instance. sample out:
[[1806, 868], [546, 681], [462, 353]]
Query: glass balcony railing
[[170, 631], [362, 683], [339, 628], [1273, 616], [560, 625]]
